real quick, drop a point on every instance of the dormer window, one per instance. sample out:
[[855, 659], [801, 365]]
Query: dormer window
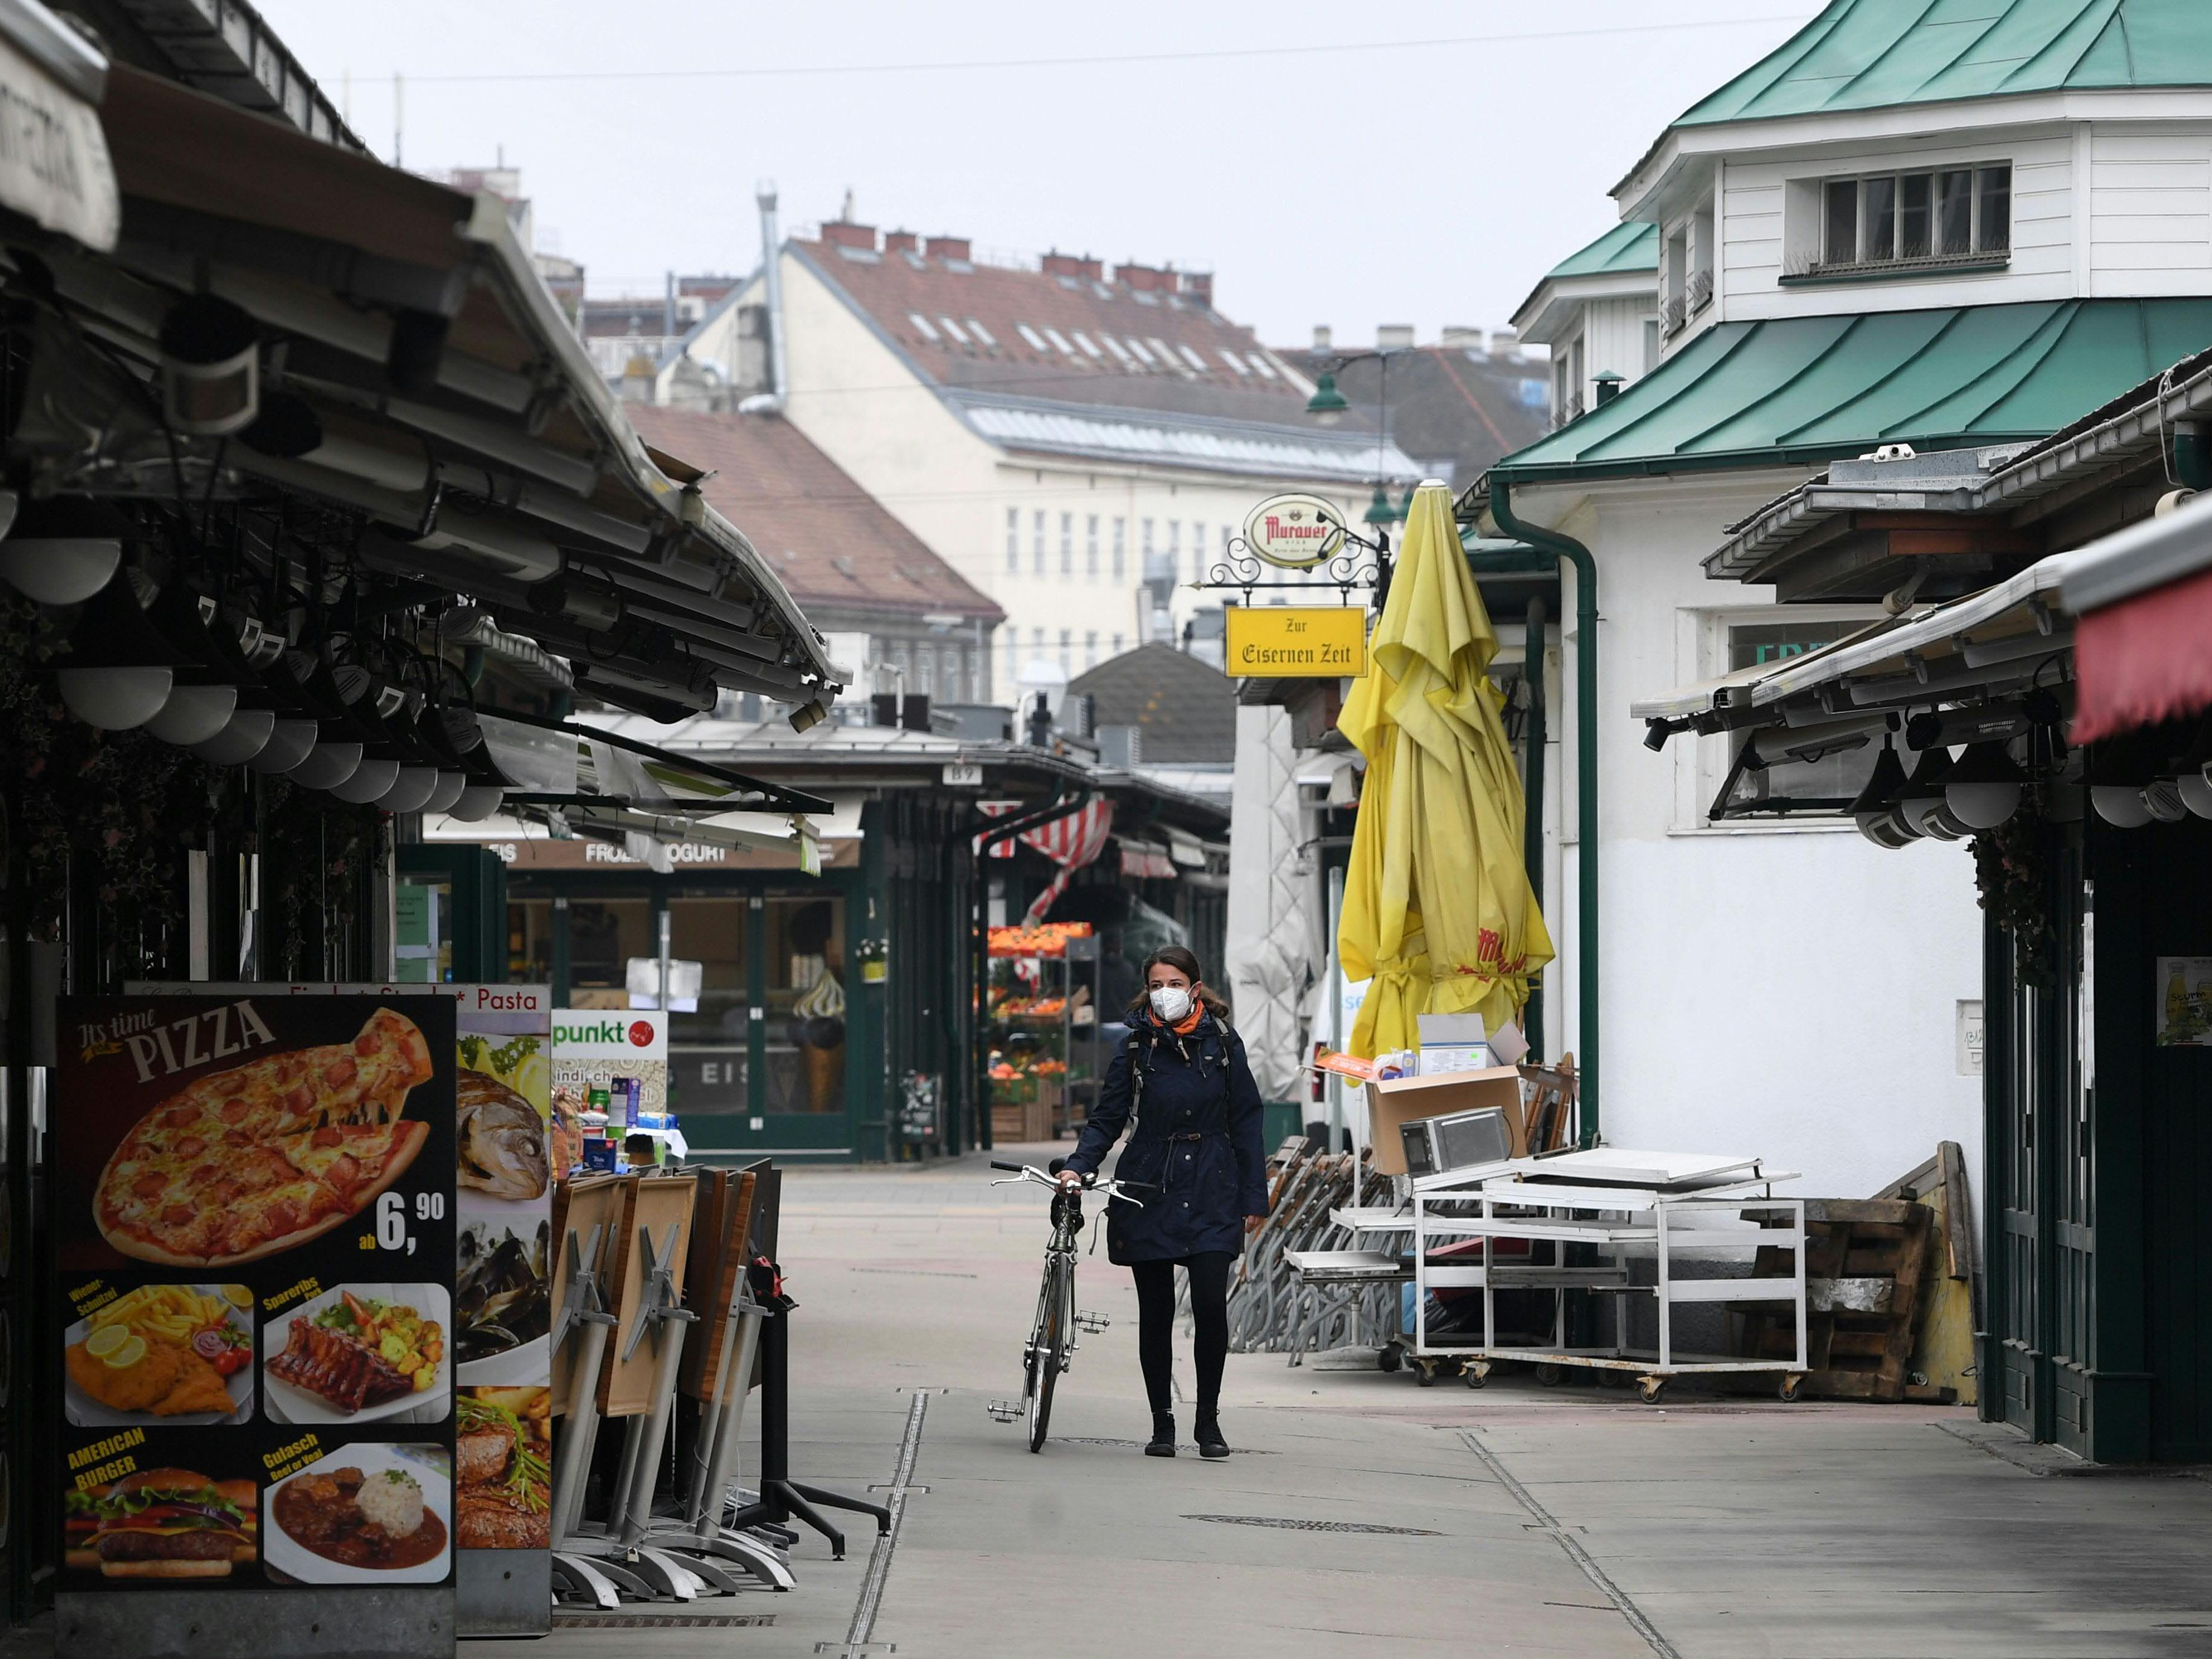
[[1947, 218]]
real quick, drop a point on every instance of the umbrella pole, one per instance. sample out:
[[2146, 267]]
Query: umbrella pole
[[1532, 792], [1335, 1004]]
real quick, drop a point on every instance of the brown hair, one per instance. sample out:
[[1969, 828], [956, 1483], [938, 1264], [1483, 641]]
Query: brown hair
[[1175, 956]]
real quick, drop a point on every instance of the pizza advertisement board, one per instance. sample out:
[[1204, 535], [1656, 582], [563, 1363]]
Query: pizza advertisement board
[[254, 1228], [501, 1180]]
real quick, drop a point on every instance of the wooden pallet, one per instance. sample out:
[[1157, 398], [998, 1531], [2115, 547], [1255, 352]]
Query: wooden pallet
[[1866, 1262]]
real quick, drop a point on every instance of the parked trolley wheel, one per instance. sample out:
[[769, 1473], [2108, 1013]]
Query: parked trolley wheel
[[1550, 1376], [1475, 1373], [1392, 1357], [1425, 1373], [1791, 1383], [1653, 1389]]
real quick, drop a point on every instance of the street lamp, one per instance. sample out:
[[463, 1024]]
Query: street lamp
[[1326, 404]]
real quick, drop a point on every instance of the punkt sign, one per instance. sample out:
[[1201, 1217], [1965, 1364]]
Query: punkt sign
[[1295, 532]]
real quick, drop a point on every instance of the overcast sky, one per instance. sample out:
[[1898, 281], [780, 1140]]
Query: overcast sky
[[1427, 183]]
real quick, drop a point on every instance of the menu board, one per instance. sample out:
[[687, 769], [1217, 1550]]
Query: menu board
[[502, 1296], [254, 1230]]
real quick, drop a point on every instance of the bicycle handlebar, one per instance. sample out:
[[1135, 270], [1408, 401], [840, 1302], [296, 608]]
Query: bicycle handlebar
[[1092, 1182]]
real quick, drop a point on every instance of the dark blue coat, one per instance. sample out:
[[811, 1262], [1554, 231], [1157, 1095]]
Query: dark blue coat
[[1197, 1141]]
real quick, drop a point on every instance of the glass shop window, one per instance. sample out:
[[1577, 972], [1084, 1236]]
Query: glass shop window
[[604, 934], [529, 941], [1835, 771], [806, 1001], [707, 1044]]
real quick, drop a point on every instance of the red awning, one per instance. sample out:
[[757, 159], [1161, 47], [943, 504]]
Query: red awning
[[2144, 659]]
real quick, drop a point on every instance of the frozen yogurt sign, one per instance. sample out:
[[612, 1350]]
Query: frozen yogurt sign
[[1295, 531]]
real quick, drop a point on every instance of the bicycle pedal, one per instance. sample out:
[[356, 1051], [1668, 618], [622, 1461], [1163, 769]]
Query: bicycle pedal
[[1092, 1322], [1003, 1411]]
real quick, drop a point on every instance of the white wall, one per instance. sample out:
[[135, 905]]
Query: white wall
[[2100, 209], [2150, 209], [1786, 993]]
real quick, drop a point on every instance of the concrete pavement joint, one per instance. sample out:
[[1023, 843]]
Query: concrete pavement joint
[[856, 1641], [1580, 1557]]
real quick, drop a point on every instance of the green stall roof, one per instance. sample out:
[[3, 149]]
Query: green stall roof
[[1810, 389], [1876, 54], [1630, 246]]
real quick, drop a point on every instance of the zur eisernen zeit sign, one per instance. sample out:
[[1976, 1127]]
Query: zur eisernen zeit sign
[[1283, 642]]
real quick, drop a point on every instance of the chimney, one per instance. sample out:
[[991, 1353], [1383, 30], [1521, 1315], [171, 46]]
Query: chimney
[[1460, 337], [947, 247], [1199, 285], [1504, 343], [1394, 337], [1057, 263], [1324, 337], [843, 232], [1145, 279], [1091, 270], [900, 241]]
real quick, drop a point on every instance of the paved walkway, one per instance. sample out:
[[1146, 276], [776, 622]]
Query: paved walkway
[[1512, 1521]]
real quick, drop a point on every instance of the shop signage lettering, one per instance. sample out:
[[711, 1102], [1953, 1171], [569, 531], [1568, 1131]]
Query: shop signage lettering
[[1294, 532], [1283, 642]]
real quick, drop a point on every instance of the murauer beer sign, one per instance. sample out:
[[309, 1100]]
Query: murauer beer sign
[[1280, 642], [1295, 531]]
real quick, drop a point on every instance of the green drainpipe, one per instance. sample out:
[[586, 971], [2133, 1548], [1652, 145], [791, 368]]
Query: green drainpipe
[[1586, 853]]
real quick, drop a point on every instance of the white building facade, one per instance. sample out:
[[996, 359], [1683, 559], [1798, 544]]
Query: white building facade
[[1975, 243], [1081, 445]]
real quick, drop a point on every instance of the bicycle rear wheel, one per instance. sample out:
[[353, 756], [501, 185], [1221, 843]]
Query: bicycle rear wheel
[[1050, 1353]]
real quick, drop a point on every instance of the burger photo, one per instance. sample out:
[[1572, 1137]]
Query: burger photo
[[162, 1524]]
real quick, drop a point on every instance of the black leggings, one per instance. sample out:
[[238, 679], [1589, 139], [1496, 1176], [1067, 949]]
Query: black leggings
[[1209, 1308]]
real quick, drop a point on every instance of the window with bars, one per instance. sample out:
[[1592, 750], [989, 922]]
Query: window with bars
[[1067, 543], [1013, 541], [1036, 549], [1947, 215], [1198, 552], [1091, 546], [1120, 549], [1067, 652], [1090, 652]]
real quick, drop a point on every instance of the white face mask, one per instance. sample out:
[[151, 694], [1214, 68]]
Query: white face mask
[[1171, 1003]]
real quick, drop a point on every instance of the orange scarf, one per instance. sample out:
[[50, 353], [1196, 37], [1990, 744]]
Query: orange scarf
[[1188, 1024]]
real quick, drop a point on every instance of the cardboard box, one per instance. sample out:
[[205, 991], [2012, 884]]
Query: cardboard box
[[1398, 1101]]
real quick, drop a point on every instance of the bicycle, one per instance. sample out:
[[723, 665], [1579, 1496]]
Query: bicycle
[[1051, 1348]]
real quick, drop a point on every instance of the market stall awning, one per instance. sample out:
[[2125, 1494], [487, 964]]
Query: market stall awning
[[1810, 389], [2143, 640], [2009, 635], [418, 379]]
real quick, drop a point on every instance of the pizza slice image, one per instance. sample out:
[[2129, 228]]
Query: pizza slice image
[[264, 1157]]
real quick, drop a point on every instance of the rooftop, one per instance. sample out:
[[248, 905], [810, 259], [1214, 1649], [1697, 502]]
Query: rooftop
[[1454, 409], [1876, 54], [1128, 337], [1186, 708], [1807, 389], [1631, 247], [833, 544]]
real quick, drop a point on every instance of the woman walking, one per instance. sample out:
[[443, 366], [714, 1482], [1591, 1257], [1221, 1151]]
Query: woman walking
[[1197, 1144]]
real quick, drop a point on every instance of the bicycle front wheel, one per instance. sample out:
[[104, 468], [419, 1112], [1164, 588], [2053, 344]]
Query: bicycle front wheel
[[1051, 1354]]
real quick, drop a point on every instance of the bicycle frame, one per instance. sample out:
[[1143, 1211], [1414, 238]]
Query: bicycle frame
[[1051, 1346]]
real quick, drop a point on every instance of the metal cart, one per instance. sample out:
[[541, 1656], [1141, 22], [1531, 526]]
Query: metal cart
[[1614, 1204]]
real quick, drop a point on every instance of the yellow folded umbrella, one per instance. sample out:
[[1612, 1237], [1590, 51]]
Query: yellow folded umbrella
[[1437, 908]]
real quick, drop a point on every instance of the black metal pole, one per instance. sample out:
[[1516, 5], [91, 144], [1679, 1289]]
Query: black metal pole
[[1534, 652]]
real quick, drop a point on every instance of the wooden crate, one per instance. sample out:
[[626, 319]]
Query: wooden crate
[[1030, 1121], [1866, 1264]]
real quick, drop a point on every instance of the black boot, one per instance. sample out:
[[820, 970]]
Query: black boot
[[1207, 1433], [1163, 1441]]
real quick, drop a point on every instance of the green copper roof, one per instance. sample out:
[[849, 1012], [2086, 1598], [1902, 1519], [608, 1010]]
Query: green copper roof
[[1625, 248], [1814, 388], [1874, 54]]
